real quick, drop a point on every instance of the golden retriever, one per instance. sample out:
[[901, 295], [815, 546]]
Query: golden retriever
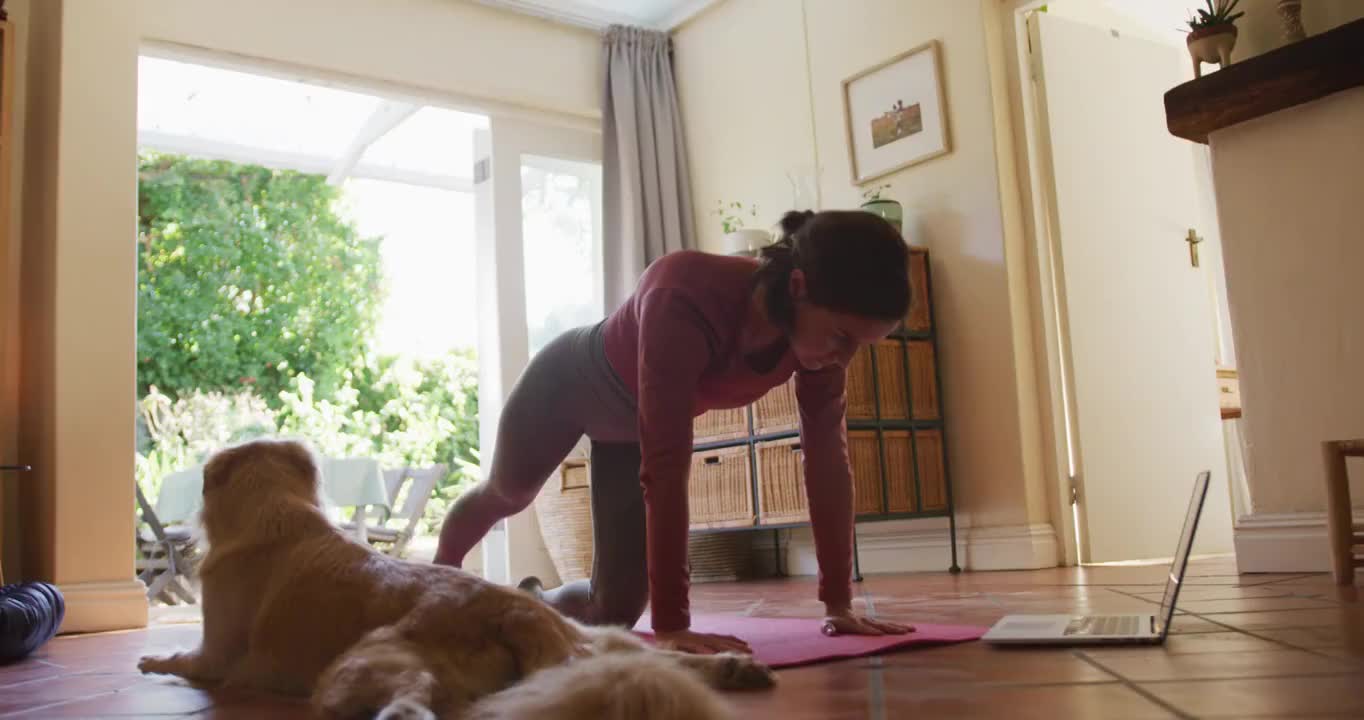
[[293, 605]]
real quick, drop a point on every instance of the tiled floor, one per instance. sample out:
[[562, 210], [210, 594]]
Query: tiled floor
[[1244, 646]]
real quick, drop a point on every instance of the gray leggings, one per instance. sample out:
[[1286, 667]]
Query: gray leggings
[[569, 390]]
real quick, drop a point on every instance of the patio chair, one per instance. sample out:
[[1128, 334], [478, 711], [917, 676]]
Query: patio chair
[[165, 556], [394, 531]]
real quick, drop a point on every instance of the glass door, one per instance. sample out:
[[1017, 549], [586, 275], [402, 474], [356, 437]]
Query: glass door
[[538, 190], [561, 244]]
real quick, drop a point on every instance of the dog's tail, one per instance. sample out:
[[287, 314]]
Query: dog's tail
[[625, 686]]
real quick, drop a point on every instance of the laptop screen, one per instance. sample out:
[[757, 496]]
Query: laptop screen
[[1182, 551]]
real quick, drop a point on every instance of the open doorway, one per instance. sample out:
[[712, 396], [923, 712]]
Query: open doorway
[[306, 268], [1128, 279]]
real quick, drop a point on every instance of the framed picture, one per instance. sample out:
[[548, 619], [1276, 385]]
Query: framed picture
[[896, 114]]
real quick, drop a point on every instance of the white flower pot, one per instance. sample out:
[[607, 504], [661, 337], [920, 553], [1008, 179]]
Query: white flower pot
[[746, 241]]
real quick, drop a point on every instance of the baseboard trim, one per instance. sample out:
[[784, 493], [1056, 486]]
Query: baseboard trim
[[924, 546], [1283, 542], [103, 606]]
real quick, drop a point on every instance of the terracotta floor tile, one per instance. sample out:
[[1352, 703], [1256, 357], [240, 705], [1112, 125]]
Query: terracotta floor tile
[[837, 690], [1189, 624], [1209, 607], [980, 663], [145, 699], [1344, 616], [96, 674], [1264, 696], [1221, 592], [1191, 644], [1094, 700], [28, 672], [65, 688], [1146, 665]]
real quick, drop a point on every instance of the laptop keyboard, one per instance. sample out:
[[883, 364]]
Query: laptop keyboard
[[1105, 625]]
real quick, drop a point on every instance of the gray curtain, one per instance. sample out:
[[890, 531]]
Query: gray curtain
[[646, 194]]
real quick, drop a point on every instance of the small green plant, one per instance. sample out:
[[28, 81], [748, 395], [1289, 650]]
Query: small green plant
[[732, 214], [1215, 14], [873, 194]]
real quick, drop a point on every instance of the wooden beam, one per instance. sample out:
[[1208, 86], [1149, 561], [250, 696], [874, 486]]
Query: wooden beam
[[387, 116], [301, 162]]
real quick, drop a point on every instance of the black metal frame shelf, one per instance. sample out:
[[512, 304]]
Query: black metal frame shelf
[[878, 424]]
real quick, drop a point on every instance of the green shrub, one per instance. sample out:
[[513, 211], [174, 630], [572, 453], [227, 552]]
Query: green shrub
[[413, 413], [246, 277]]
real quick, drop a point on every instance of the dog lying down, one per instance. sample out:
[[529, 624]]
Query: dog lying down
[[292, 605]]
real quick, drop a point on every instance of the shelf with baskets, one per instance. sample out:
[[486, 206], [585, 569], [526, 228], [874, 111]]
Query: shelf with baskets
[[746, 465]]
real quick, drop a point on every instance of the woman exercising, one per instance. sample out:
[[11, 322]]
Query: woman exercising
[[700, 332]]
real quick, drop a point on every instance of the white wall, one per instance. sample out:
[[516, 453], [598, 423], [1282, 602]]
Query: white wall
[[761, 92], [745, 103], [1288, 198], [451, 47]]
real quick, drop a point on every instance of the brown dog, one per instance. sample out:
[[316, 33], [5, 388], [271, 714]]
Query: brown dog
[[292, 605]]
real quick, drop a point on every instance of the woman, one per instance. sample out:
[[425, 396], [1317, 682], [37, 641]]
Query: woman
[[700, 332]]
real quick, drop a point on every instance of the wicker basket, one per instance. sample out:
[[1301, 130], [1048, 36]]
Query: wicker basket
[[777, 410], [781, 483], [919, 317], [932, 475], [900, 472], [923, 374], [719, 492], [861, 387], [564, 510], [720, 556], [887, 377], [723, 424], [865, 453], [890, 372]]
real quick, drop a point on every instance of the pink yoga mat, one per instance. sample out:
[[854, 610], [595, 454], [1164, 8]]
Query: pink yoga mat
[[788, 642]]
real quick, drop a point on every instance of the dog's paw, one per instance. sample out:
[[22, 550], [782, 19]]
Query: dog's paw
[[405, 709], [742, 672], [157, 664]]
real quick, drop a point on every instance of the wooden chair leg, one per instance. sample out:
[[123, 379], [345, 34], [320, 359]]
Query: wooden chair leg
[[1339, 520]]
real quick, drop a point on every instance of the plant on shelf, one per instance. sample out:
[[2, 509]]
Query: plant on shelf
[[732, 214], [889, 209], [739, 239], [1212, 34], [873, 194]]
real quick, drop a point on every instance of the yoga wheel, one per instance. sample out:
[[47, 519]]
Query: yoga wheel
[[564, 510]]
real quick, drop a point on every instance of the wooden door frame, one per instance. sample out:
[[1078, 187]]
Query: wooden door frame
[[1050, 328]]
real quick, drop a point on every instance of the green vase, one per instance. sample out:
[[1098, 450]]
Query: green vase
[[889, 210]]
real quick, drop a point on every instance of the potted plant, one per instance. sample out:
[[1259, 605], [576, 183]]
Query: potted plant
[[889, 209], [1212, 34], [740, 240]]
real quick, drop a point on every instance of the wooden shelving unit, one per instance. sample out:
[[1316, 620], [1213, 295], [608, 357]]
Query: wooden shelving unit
[[746, 470]]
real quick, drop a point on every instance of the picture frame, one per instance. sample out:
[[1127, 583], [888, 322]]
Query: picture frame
[[895, 114]]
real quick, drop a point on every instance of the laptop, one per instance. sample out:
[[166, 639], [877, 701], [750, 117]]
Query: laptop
[[1109, 629]]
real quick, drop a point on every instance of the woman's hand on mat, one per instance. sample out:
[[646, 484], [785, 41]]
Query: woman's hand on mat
[[847, 622], [702, 643]]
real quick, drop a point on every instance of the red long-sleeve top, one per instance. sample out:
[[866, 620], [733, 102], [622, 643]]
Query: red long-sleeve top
[[676, 343]]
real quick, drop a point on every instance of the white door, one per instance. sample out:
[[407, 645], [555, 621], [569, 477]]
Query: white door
[[1136, 317]]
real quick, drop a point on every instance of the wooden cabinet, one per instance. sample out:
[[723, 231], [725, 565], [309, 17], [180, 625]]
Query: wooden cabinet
[[748, 471]]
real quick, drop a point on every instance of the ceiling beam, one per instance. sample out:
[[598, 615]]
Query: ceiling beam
[[299, 162], [388, 115]]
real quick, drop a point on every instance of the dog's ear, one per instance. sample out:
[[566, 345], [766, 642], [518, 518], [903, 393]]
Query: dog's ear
[[222, 464], [298, 457]]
